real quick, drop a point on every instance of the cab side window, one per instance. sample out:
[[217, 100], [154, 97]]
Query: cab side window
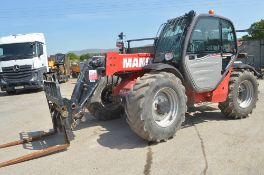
[[228, 37], [206, 37], [39, 49]]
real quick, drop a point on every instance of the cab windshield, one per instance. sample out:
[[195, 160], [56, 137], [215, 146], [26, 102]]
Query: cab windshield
[[171, 38], [60, 58], [16, 51]]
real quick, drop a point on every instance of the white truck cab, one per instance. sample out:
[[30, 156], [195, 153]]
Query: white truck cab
[[23, 60]]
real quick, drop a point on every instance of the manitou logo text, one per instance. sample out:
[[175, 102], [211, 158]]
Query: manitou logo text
[[135, 62]]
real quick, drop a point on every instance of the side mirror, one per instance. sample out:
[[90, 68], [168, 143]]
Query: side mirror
[[120, 45], [242, 56], [120, 42]]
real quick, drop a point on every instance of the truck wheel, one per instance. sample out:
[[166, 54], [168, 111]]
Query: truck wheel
[[102, 105], [74, 75], [156, 106], [242, 96]]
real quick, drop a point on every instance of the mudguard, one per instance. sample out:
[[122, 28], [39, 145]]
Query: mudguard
[[239, 65], [164, 67]]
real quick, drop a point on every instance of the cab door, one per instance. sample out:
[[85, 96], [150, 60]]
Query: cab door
[[203, 59], [229, 44]]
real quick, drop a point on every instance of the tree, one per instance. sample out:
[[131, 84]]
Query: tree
[[253, 33], [73, 57], [85, 56]]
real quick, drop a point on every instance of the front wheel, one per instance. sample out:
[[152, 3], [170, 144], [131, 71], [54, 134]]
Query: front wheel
[[102, 105], [242, 96], [156, 106]]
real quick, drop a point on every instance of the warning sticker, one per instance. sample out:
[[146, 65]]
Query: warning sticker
[[93, 75]]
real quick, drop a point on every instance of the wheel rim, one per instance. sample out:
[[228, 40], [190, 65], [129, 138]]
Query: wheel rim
[[245, 94], [165, 107], [107, 96]]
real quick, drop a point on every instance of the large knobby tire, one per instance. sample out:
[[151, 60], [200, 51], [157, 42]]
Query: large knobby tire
[[101, 106], [156, 106], [242, 95]]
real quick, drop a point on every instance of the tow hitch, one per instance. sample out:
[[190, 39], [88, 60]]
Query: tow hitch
[[66, 114]]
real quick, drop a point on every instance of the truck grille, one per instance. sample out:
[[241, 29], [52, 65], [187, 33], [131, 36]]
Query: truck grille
[[22, 73]]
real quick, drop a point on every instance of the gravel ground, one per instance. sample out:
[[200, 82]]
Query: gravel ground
[[208, 143]]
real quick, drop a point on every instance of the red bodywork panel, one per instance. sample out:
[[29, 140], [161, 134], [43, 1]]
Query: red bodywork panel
[[218, 95], [221, 92], [116, 62], [126, 84], [215, 96]]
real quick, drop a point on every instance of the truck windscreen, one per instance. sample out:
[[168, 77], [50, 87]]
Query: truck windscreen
[[59, 58], [17, 51]]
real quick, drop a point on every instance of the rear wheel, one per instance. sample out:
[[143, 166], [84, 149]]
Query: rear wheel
[[156, 106], [242, 96], [102, 105], [75, 75]]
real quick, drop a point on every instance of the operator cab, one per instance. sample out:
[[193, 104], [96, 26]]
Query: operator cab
[[202, 46], [60, 59]]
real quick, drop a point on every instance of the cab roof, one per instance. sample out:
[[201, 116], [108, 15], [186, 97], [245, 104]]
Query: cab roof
[[23, 38]]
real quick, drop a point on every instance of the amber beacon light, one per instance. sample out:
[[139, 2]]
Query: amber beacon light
[[211, 12]]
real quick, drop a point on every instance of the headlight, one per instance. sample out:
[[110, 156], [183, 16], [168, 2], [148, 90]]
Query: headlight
[[168, 56], [34, 76], [2, 81]]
